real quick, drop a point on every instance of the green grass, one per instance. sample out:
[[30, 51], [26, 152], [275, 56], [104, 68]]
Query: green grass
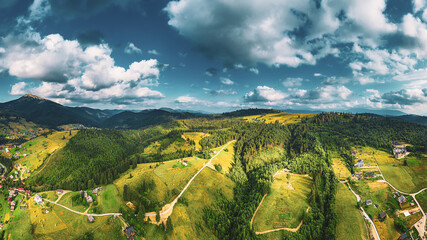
[[345, 205], [109, 199], [204, 191], [20, 226], [285, 202], [196, 137], [284, 118], [66, 201], [225, 158], [422, 200], [340, 170]]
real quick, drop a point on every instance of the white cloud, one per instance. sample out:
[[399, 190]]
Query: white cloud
[[187, 99], [131, 48], [39, 9], [153, 52], [18, 88], [365, 80], [419, 5], [292, 82], [226, 81], [264, 94], [254, 70]]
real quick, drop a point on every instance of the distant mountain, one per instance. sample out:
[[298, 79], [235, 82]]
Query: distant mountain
[[382, 112], [249, 112], [51, 114], [412, 118], [301, 111], [187, 111], [132, 120]]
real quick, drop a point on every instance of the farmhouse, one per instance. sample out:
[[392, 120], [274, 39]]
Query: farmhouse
[[403, 236], [89, 199], [12, 206], [130, 232], [382, 216], [369, 174], [360, 163], [368, 202], [401, 199], [399, 152], [59, 191], [90, 218], [354, 152], [359, 176], [184, 164], [38, 199]]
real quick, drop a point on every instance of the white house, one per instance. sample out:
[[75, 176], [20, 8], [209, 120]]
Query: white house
[[38, 199]]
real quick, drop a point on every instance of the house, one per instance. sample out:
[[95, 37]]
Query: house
[[399, 152], [38, 199], [403, 237], [382, 216], [1, 226], [130, 232], [401, 199], [184, 164], [89, 199], [359, 176], [3, 178], [376, 205], [59, 191], [95, 190], [360, 163], [90, 218], [21, 189], [9, 200], [369, 174], [12, 205], [368, 202]]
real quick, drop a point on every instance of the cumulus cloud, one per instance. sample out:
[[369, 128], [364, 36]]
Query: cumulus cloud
[[405, 96], [220, 92], [226, 81], [277, 32], [254, 70], [18, 88], [211, 72], [264, 94], [131, 48], [324, 94]]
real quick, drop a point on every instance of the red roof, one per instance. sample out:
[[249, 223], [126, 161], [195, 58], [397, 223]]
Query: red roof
[[20, 189]]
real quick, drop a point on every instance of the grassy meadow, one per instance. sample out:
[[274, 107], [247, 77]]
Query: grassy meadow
[[345, 205], [266, 155], [285, 205], [196, 137], [225, 158], [284, 118], [340, 170], [38, 149]]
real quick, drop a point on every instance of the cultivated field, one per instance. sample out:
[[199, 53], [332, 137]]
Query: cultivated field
[[285, 205], [345, 205]]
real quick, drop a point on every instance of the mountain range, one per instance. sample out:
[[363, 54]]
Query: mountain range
[[50, 114]]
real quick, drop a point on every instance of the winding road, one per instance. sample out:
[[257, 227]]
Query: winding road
[[169, 207], [81, 213], [5, 169]]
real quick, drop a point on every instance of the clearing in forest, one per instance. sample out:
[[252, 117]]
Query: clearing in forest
[[224, 158], [284, 118], [283, 206], [196, 137]]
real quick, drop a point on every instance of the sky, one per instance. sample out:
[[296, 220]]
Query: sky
[[217, 55]]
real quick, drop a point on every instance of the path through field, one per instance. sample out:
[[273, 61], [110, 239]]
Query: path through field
[[167, 209]]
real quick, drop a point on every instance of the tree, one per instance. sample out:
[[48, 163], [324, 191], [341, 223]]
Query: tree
[[288, 176], [169, 225], [405, 163], [157, 216]]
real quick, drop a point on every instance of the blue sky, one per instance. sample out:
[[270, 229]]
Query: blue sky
[[217, 55]]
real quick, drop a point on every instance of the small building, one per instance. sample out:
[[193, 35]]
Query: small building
[[90, 218], [89, 199], [130, 232], [401, 199], [184, 164], [21, 189], [376, 205], [354, 152], [369, 174], [59, 191], [360, 163], [359, 176], [12, 205], [382, 216], [368, 202], [38, 199], [95, 190]]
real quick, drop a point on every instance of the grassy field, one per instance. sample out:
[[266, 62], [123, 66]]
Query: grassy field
[[381, 194], [266, 155], [340, 170], [409, 178], [345, 205], [109, 199], [167, 176], [285, 205], [41, 147], [196, 137], [284, 118], [225, 158], [422, 199], [66, 201], [187, 218]]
